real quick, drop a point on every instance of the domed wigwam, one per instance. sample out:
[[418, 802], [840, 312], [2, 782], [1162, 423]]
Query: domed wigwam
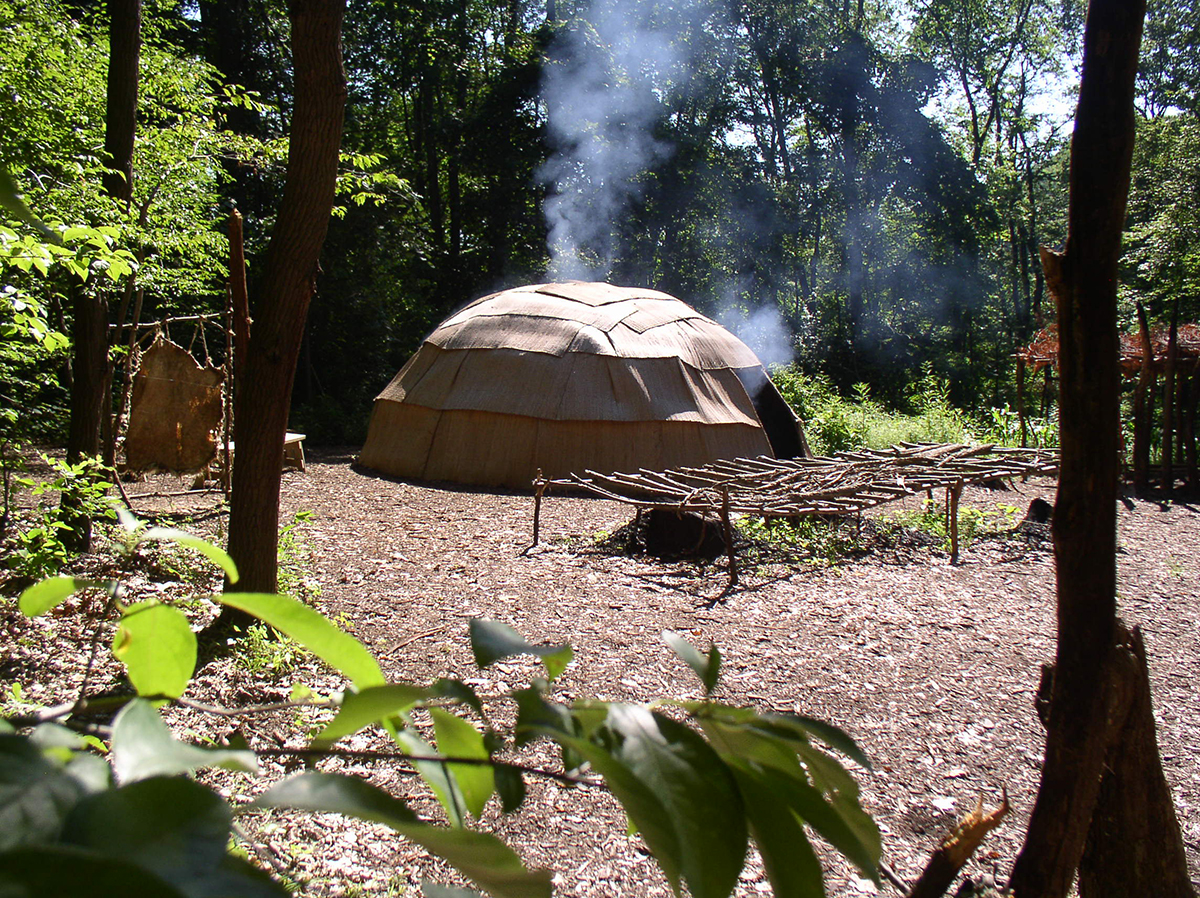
[[571, 377]]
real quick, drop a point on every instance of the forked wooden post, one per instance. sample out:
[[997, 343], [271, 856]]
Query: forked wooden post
[[539, 487]]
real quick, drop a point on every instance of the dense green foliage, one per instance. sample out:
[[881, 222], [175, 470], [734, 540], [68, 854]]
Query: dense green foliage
[[877, 177], [698, 779]]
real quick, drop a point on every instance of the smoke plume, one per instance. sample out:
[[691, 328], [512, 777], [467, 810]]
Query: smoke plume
[[762, 328], [602, 106]]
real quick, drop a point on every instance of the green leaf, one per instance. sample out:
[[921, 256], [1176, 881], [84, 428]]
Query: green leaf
[[312, 630], [535, 716], [644, 809], [677, 792], [458, 738], [841, 822], [55, 736], [46, 594], [10, 199], [492, 640], [696, 789], [35, 794], [143, 747], [376, 703], [63, 872], [436, 774], [733, 739], [707, 667], [173, 827], [832, 736], [433, 890], [788, 857], [510, 786], [216, 555], [480, 857], [158, 648], [457, 690]]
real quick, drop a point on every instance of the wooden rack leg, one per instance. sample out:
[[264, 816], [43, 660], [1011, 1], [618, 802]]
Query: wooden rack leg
[[953, 494], [728, 526], [539, 487]]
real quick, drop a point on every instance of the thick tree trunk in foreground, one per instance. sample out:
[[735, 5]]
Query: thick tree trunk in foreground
[[1087, 706], [89, 365], [288, 280], [1134, 845]]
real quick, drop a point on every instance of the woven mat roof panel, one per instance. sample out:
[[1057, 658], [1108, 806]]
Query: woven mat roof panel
[[598, 294], [539, 305], [635, 328], [581, 387]]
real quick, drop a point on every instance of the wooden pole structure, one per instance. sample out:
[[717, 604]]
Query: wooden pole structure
[[1168, 409], [1141, 407], [1189, 428], [1021, 400]]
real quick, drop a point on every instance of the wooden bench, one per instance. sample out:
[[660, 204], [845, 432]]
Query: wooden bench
[[293, 450]]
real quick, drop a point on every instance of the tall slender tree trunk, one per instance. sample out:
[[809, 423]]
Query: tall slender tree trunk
[[1089, 695], [89, 330], [287, 285]]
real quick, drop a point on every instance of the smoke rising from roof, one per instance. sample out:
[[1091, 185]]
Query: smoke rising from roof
[[762, 328], [602, 108]]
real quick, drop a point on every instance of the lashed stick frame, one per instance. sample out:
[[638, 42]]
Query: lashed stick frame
[[841, 484]]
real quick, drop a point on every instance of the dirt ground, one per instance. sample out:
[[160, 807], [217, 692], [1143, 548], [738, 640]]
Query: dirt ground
[[931, 667]]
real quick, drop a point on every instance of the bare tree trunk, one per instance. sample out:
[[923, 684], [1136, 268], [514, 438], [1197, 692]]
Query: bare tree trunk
[[89, 331], [120, 118], [288, 282], [1083, 280]]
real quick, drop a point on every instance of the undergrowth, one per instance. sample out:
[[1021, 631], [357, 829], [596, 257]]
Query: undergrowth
[[817, 541], [973, 523], [835, 423]]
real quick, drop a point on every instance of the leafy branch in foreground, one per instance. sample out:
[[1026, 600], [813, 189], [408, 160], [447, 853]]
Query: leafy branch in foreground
[[698, 779]]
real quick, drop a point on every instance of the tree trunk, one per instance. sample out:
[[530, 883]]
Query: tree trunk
[[125, 44], [89, 334], [1083, 280], [288, 281], [1134, 845], [89, 330]]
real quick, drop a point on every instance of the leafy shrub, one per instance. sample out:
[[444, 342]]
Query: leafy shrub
[[836, 424], [698, 789], [973, 523], [821, 540], [39, 547], [1004, 429]]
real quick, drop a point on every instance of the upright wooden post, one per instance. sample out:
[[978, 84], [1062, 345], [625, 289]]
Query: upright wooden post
[[1168, 409], [1021, 400], [1141, 407]]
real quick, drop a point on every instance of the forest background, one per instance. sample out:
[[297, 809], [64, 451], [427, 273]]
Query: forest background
[[858, 189]]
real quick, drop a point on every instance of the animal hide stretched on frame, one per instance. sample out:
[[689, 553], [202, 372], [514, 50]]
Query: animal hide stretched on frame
[[176, 411]]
